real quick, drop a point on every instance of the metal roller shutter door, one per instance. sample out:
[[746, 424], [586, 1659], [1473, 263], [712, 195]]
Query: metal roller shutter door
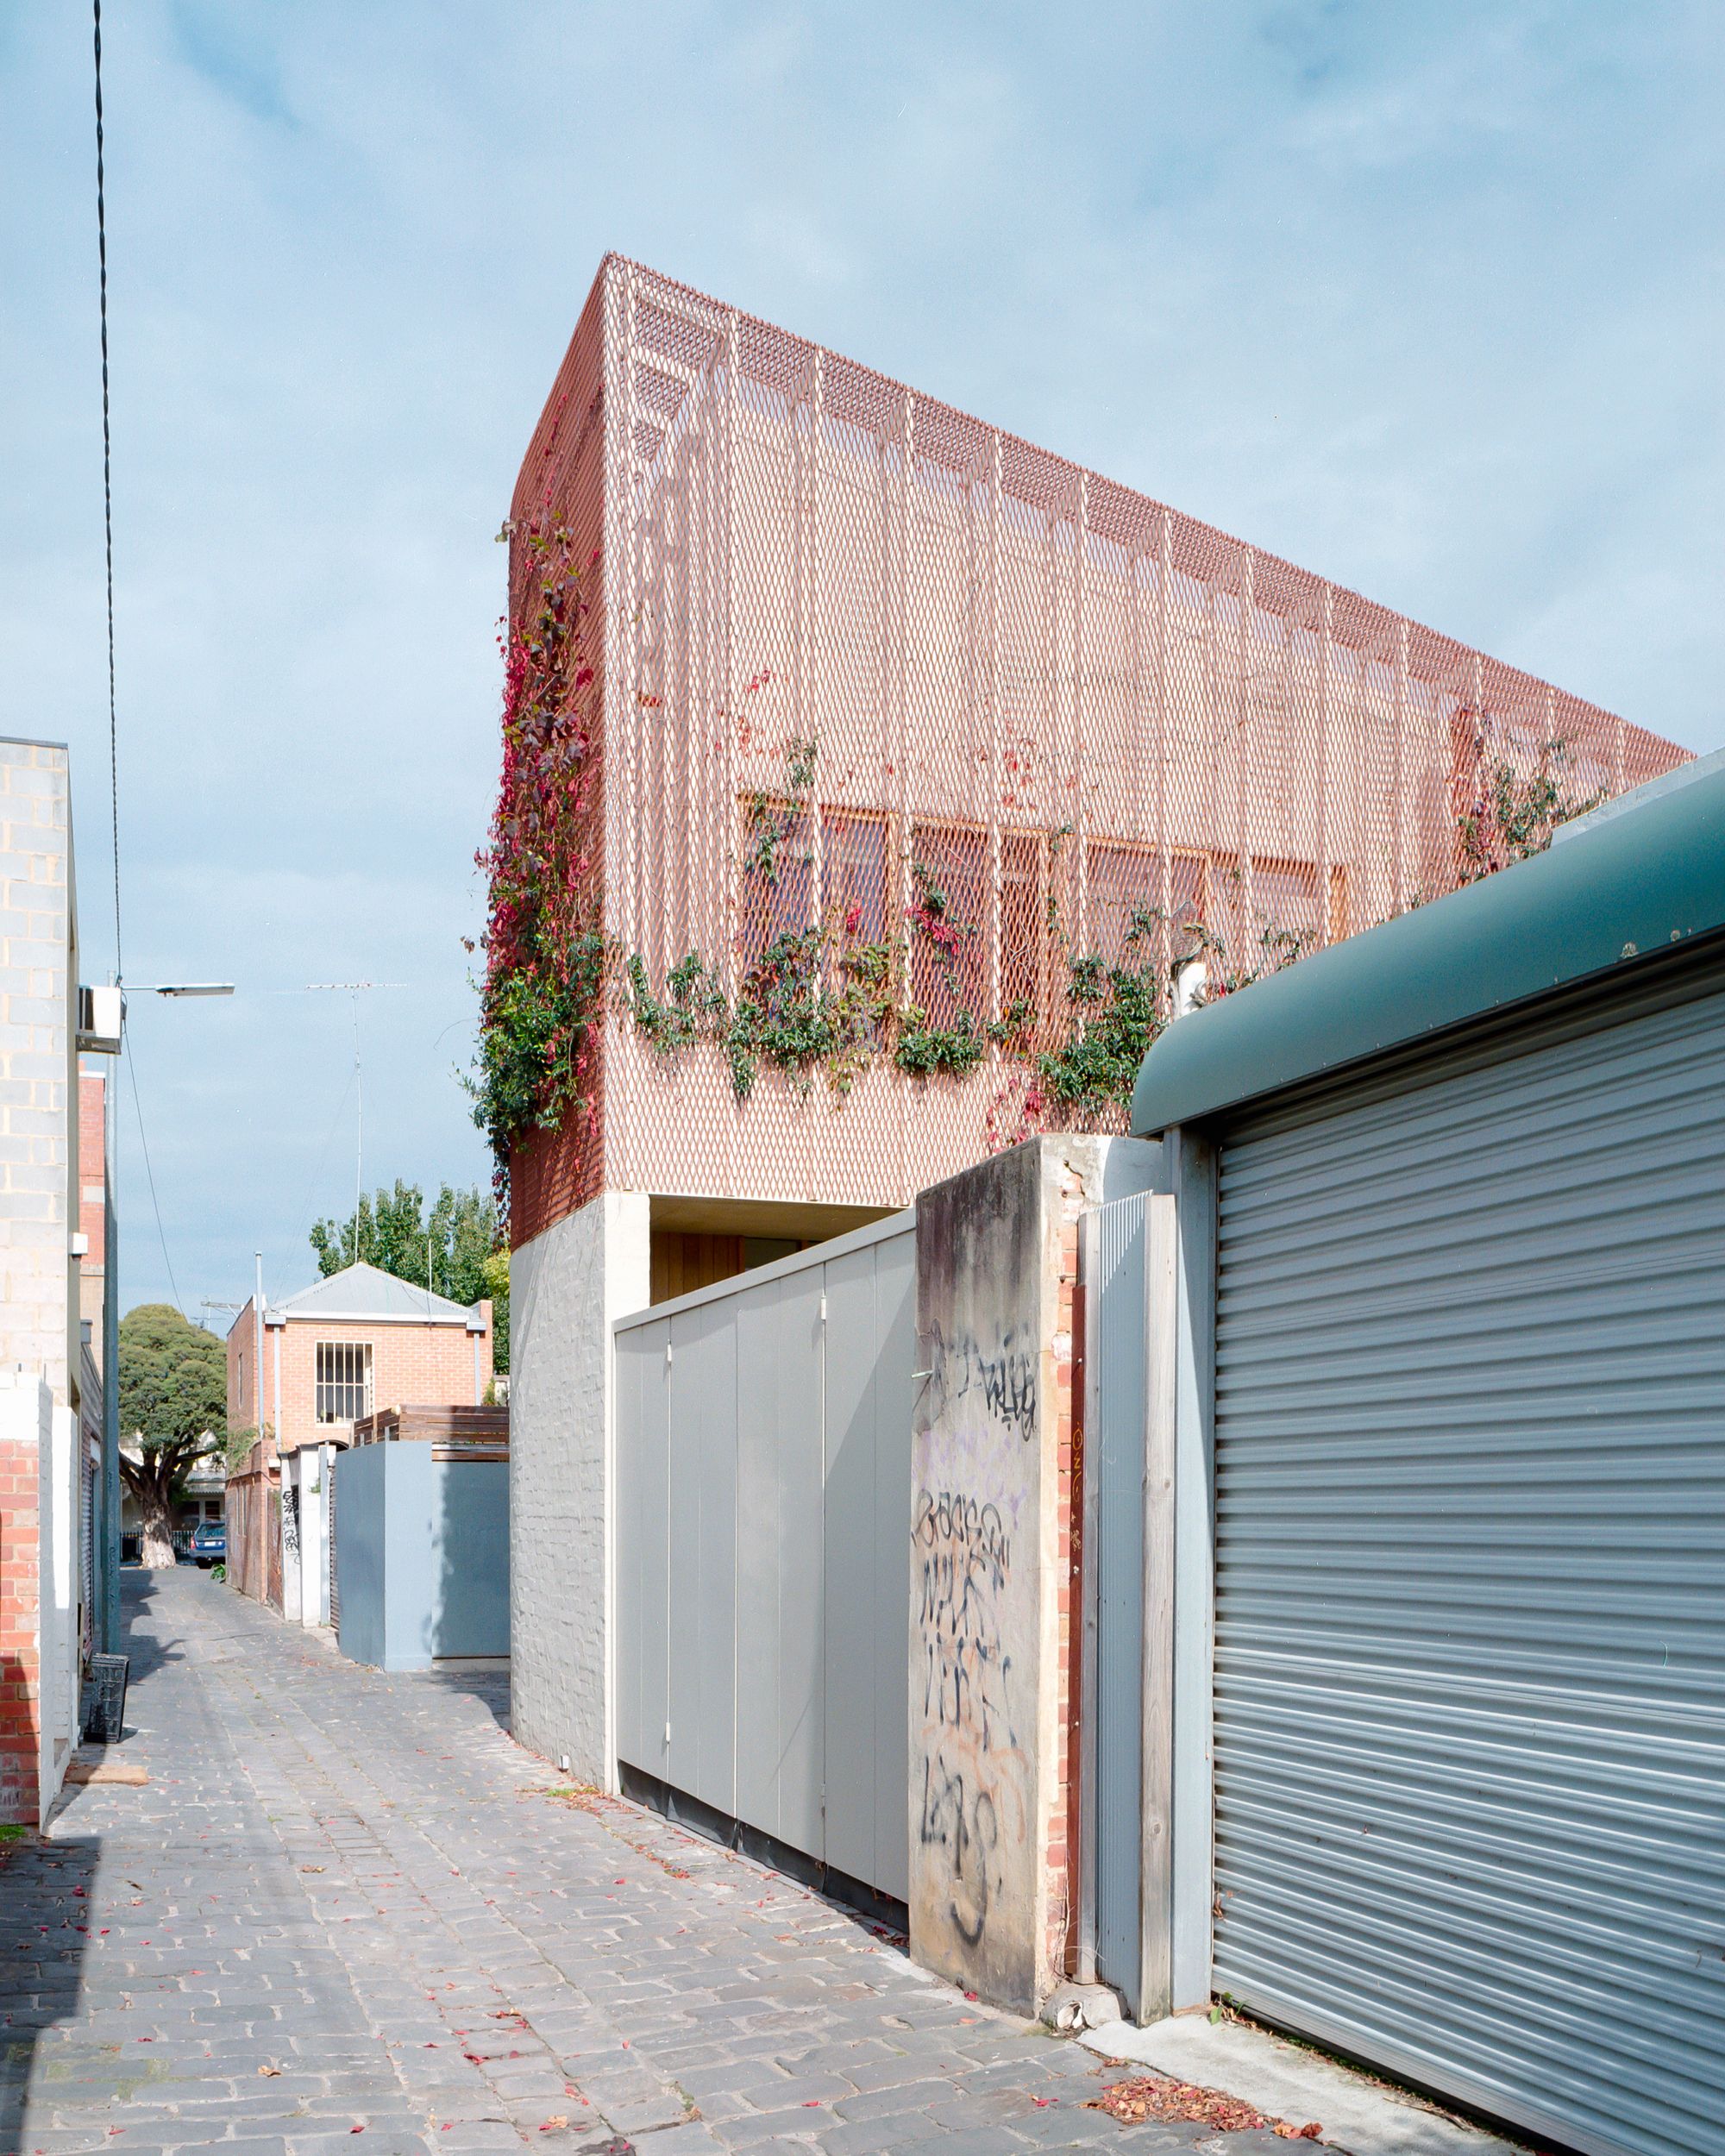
[[1470, 1660]]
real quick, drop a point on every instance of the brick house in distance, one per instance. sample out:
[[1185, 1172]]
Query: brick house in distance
[[304, 1371], [874, 700]]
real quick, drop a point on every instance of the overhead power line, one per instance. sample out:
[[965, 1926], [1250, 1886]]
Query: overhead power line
[[131, 1063], [108, 496]]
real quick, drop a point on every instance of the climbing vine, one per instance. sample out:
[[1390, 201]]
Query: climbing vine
[[545, 955], [819, 1001], [1512, 815]]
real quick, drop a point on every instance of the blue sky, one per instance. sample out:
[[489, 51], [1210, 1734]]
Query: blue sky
[[1426, 298]]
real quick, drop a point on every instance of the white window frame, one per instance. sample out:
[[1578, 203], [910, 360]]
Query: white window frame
[[349, 1384]]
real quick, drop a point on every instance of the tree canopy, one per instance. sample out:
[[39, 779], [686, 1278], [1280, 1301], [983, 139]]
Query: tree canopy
[[173, 1380], [393, 1230], [453, 1248]]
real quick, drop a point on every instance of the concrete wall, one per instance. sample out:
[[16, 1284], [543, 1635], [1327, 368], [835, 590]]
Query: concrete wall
[[566, 1286], [313, 1465], [994, 1676], [422, 1551]]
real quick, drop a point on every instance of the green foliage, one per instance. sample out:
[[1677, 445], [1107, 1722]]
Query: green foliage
[[173, 1412], [789, 1015], [535, 1037], [771, 823], [546, 958], [495, 1272], [1513, 816], [174, 1381], [813, 1000], [923, 1050], [1117, 1011], [446, 1249], [693, 1005], [238, 1443]]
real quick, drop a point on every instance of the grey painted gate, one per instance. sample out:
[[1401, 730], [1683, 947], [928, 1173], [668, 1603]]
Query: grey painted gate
[[763, 1525], [1470, 1658], [1128, 1255]]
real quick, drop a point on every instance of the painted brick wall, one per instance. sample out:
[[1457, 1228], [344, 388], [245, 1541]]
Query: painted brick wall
[[566, 1285], [38, 1204], [38, 1131], [418, 1365]]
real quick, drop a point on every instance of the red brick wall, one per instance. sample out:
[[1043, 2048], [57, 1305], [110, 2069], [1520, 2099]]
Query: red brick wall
[[92, 1149], [20, 1466]]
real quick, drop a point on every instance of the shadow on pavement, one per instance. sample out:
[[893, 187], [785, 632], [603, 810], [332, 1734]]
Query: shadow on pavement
[[43, 1938], [490, 1687], [145, 1652]]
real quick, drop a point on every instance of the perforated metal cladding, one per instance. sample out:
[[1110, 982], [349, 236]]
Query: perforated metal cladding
[[1057, 699]]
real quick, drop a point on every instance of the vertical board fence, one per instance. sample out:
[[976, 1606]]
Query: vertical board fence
[[764, 1526], [254, 1525]]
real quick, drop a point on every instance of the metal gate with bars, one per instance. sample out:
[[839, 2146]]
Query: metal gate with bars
[[763, 1562], [1470, 1617]]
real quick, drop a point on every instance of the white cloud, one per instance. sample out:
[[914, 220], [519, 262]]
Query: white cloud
[[1428, 299]]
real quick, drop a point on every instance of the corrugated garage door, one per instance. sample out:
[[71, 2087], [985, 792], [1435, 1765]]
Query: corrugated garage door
[[1469, 1669]]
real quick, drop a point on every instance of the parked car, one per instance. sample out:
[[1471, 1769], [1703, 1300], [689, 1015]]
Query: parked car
[[209, 1544]]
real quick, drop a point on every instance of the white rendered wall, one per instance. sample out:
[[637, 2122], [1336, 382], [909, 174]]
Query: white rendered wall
[[67, 1647], [566, 1286], [314, 1534], [290, 1588]]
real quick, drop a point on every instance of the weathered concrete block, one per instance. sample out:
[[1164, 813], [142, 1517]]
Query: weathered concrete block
[[991, 1638]]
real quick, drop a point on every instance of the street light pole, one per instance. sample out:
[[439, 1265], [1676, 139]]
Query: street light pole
[[108, 1509]]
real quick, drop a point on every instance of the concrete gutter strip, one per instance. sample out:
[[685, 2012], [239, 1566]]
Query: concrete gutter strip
[[1288, 2083]]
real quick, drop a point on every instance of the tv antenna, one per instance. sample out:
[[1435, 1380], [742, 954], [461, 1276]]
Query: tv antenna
[[354, 989]]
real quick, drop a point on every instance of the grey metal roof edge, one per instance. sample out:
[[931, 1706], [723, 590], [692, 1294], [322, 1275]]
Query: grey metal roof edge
[[303, 1302], [1639, 797], [1634, 884], [461, 1314]]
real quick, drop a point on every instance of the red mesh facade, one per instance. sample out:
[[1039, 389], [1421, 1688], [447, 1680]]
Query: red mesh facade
[[915, 651]]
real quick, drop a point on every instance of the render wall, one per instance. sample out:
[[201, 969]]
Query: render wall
[[566, 1286], [994, 1678], [421, 1552]]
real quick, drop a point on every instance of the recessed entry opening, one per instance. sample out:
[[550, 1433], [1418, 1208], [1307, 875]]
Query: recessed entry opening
[[696, 1242]]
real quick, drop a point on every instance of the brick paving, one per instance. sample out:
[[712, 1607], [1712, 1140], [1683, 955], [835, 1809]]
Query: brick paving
[[347, 1904]]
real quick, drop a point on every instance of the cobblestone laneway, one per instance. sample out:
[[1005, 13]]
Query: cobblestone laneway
[[345, 1903]]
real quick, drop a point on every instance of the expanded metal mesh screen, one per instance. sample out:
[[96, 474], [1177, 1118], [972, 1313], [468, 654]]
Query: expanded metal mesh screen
[[915, 651]]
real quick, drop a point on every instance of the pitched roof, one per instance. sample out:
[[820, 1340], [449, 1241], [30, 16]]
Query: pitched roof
[[366, 1291]]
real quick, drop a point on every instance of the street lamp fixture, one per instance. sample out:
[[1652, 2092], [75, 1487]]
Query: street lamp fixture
[[195, 988]]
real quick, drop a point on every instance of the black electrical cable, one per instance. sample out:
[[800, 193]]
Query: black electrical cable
[[108, 496]]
